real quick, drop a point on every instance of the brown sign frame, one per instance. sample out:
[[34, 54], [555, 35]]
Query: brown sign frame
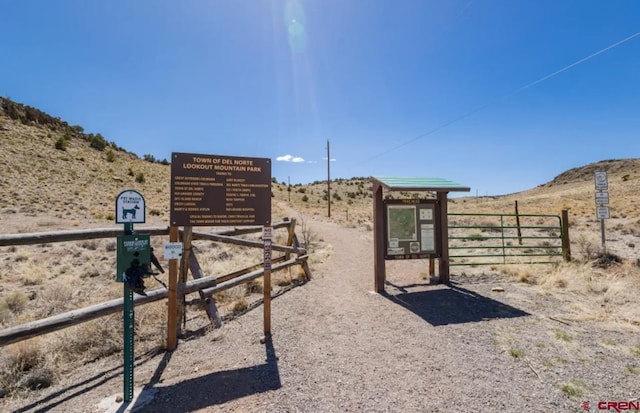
[[219, 190]]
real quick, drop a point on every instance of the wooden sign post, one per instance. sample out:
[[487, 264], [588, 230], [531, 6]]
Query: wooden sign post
[[267, 236], [216, 190], [172, 315]]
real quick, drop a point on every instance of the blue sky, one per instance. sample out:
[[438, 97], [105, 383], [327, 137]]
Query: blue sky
[[443, 88]]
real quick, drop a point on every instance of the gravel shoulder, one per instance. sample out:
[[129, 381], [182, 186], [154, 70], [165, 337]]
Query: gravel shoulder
[[338, 347]]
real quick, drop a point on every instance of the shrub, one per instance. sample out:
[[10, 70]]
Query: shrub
[[130, 172], [14, 301], [140, 178], [111, 156], [154, 212], [283, 282], [563, 335], [23, 367], [240, 306], [61, 144], [98, 142], [516, 353], [149, 158], [305, 198], [574, 388], [254, 287], [476, 236]]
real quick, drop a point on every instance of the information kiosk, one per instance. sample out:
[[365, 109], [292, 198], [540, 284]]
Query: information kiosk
[[411, 228]]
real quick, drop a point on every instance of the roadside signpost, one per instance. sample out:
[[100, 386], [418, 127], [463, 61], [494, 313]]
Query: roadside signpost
[[133, 259], [602, 201], [218, 190]]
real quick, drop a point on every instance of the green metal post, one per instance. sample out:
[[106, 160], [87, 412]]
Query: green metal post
[[128, 319], [128, 228], [504, 253]]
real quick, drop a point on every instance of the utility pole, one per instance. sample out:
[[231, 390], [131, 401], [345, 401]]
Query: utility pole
[[328, 180], [289, 187]]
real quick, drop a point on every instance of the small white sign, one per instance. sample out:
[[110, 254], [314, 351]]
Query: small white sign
[[602, 198], [267, 254], [267, 233], [602, 212], [172, 250], [426, 214], [130, 207], [602, 182]]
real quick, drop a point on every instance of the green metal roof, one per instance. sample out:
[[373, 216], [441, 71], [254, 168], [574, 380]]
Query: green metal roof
[[402, 183]]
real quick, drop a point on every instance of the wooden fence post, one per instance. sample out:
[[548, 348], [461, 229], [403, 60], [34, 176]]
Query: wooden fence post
[[267, 237], [172, 311], [566, 243], [184, 269], [518, 225], [292, 233], [443, 272]]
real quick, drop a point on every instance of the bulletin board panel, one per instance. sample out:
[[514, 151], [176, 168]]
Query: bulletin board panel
[[411, 229]]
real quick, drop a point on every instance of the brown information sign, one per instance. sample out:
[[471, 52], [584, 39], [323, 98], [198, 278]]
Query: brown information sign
[[215, 190]]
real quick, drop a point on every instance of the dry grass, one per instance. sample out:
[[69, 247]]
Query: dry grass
[[25, 367], [590, 293]]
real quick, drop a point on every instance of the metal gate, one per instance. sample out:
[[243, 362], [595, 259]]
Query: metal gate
[[495, 239]]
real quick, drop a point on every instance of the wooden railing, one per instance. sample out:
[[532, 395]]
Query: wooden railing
[[205, 285]]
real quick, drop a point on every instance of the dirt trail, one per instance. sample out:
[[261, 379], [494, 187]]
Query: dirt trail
[[338, 347]]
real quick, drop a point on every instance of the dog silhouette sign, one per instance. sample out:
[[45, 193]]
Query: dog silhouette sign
[[130, 207]]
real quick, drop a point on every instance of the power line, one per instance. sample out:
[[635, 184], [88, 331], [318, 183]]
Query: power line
[[520, 89]]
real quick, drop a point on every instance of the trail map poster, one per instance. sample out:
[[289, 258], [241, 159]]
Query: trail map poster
[[402, 222], [410, 229]]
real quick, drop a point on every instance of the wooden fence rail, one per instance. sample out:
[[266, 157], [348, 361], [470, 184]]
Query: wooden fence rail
[[60, 321], [205, 285], [35, 238]]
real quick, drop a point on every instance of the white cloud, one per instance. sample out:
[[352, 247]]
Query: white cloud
[[332, 159], [289, 158]]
